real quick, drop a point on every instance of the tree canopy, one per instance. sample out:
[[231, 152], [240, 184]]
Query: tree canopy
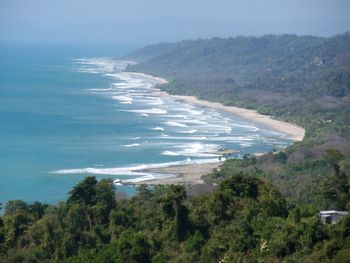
[[244, 219]]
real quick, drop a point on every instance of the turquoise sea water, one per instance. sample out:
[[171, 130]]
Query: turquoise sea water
[[65, 116]]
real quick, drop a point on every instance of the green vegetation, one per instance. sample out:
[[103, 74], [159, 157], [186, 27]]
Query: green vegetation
[[300, 79], [262, 209], [244, 220]]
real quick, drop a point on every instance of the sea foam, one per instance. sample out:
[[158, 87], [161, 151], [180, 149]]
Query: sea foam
[[136, 170], [149, 111], [175, 124]]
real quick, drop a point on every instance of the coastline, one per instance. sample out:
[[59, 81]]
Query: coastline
[[193, 173], [292, 131]]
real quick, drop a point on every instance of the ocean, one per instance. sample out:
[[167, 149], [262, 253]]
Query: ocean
[[63, 117]]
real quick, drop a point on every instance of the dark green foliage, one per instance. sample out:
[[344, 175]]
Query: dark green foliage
[[280, 157], [37, 209], [173, 208], [133, 248], [84, 192], [334, 157], [334, 193], [244, 220], [240, 186], [14, 206]]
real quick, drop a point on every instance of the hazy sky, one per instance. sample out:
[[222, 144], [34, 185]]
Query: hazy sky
[[149, 21]]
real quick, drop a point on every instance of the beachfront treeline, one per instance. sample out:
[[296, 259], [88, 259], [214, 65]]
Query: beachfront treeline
[[245, 219]]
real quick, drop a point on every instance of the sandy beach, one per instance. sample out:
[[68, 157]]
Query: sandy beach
[[292, 131], [143, 75], [185, 174]]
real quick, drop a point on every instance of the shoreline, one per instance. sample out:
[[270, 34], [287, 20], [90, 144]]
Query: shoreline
[[185, 174], [293, 131], [189, 174]]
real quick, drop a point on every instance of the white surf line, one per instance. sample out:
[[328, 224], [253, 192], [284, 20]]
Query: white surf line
[[131, 169]]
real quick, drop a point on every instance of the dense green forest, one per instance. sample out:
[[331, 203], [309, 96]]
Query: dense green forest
[[300, 79], [244, 220], [254, 209]]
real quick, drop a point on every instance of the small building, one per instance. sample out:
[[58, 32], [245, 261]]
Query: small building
[[331, 216]]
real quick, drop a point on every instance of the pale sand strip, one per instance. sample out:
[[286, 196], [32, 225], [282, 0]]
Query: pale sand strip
[[143, 75], [185, 174]]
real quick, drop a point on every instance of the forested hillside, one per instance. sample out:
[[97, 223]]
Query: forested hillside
[[301, 79], [288, 64]]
